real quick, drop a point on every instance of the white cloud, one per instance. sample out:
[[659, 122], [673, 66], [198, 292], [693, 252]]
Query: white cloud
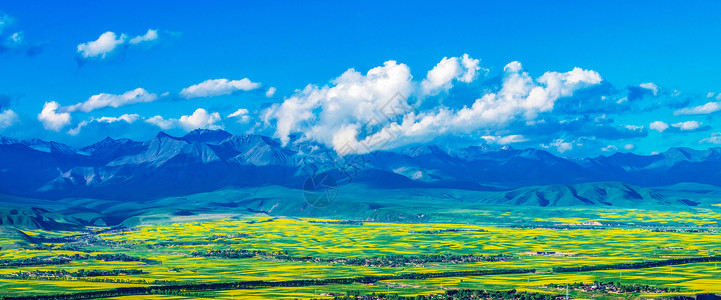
[[504, 140], [138, 95], [241, 114], [710, 95], [609, 148], [218, 87], [441, 77], [353, 100], [51, 119], [658, 126], [714, 139], [151, 35], [650, 86], [201, 118], [560, 145], [15, 39], [634, 127], [520, 97], [161, 122], [105, 44], [270, 92], [350, 112], [7, 118], [707, 108], [109, 41], [688, 125], [629, 147], [128, 118]]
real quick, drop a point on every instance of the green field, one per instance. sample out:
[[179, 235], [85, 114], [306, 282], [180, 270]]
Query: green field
[[542, 243]]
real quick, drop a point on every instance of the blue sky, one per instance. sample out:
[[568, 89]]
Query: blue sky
[[672, 49]]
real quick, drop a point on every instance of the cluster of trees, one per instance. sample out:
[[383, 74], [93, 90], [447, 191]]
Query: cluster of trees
[[34, 261], [342, 222], [639, 265], [401, 260], [188, 243], [200, 287], [228, 236], [462, 294], [122, 257], [616, 287], [441, 231], [376, 261], [63, 259], [236, 253], [65, 273]]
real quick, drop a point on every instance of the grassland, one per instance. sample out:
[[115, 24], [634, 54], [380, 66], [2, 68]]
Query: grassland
[[533, 243]]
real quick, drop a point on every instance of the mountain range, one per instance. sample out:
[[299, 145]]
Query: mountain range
[[208, 160]]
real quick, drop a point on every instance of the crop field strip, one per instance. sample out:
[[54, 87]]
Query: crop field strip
[[299, 250]]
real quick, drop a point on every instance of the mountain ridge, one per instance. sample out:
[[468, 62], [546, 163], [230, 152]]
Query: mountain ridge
[[205, 160]]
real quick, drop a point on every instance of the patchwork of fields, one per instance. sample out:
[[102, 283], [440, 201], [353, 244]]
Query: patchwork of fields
[[277, 250]]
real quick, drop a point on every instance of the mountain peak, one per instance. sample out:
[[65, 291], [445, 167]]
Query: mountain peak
[[7, 141], [424, 150], [162, 134], [212, 136]]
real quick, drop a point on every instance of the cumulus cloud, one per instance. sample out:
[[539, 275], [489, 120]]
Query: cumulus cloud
[[441, 77], [241, 114], [138, 95], [560, 145], [504, 140], [651, 87], [218, 87], [687, 126], [161, 122], [128, 118], [109, 41], [353, 101], [339, 116], [710, 107], [104, 45], [149, 36], [7, 118], [200, 118], [609, 148], [270, 92], [51, 118], [658, 126], [519, 97], [714, 139]]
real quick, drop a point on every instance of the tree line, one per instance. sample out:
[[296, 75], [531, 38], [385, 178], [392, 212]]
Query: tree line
[[65, 273], [200, 287], [376, 261], [639, 265], [461, 294], [64, 259]]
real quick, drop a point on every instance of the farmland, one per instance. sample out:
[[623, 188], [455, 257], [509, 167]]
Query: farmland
[[281, 257]]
